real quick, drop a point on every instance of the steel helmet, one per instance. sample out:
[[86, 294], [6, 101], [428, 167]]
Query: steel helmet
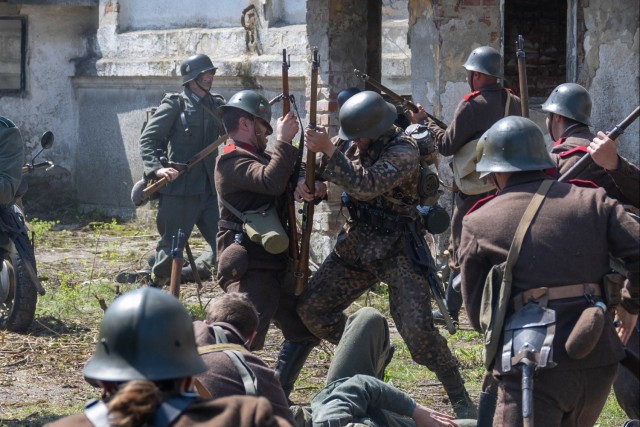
[[345, 94], [485, 60], [512, 144], [253, 103], [365, 115], [194, 65], [145, 334], [570, 100]]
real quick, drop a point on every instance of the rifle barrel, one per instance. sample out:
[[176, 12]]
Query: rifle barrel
[[522, 74], [586, 160]]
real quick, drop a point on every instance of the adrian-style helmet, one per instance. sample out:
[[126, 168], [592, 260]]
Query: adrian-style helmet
[[145, 334], [194, 65], [253, 103], [512, 144], [485, 60], [570, 100], [366, 115]]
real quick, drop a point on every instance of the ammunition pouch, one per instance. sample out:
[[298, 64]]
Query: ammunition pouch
[[527, 338], [378, 219]]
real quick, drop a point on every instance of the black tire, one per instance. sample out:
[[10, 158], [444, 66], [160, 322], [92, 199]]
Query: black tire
[[17, 315]]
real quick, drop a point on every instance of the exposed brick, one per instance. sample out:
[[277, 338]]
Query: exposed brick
[[472, 2], [489, 2]]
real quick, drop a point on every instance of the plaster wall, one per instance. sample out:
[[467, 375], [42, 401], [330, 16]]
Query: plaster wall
[[58, 40]]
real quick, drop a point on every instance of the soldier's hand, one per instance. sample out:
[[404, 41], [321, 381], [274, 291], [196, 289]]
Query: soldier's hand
[[603, 151], [317, 140], [419, 117], [169, 173], [425, 417], [287, 128], [302, 192], [627, 322]]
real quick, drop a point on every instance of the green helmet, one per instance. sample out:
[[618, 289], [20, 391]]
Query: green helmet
[[253, 103], [194, 65], [512, 144], [570, 100], [485, 60], [145, 334], [365, 115]]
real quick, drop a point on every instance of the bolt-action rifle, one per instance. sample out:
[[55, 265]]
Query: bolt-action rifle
[[177, 244], [292, 226], [522, 76], [586, 160], [405, 103], [302, 270]]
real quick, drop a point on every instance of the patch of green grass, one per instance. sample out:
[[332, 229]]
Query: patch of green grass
[[612, 414], [31, 414]]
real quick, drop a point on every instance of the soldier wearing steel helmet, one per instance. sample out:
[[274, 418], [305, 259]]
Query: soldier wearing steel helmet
[[562, 262], [377, 165], [487, 103], [144, 362], [568, 111], [248, 178], [182, 126]]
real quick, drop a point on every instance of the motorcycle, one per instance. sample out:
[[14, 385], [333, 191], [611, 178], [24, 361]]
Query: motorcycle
[[19, 283]]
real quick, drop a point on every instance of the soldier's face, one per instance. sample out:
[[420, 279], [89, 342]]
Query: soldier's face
[[362, 143], [205, 79], [261, 131]]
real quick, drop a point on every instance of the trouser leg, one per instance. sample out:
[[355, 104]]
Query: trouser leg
[[290, 362]]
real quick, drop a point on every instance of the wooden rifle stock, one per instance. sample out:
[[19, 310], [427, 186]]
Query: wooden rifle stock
[[302, 271], [204, 153], [405, 103], [586, 160], [292, 229], [176, 265], [522, 76]]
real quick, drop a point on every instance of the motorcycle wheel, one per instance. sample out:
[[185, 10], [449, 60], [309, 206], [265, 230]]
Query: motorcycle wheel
[[18, 310]]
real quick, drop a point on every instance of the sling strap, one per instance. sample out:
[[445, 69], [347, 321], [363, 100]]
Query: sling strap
[[234, 352]]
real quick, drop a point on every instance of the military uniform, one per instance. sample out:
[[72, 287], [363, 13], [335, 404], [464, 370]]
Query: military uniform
[[11, 161], [573, 146], [381, 182], [222, 378], [242, 411], [476, 113], [248, 180], [568, 242], [189, 200]]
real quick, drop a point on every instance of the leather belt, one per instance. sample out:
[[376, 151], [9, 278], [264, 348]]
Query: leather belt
[[557, 292], [229, 225]]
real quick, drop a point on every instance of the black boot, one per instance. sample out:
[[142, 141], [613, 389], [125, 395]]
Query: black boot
[[290, 362], [460, 401], [486, 409]]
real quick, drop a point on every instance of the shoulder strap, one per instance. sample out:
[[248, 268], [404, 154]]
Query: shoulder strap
[[218, 332], [506, 107], [97, 413], [523, 226], [233, 210], [170, 409], [212, 114], [234, 352]]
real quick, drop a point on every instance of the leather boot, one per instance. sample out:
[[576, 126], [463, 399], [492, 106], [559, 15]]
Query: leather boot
[[460, 401], [290, 362], [486, 409]]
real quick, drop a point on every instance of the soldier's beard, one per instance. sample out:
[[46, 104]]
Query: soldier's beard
[[261, 141]]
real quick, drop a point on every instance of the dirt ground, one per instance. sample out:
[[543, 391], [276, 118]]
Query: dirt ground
[[40, 371]]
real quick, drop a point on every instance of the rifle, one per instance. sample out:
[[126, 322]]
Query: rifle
[[302, 270], [586, 160], [405, 103], [183, 168], [178, 262], [292, 229], [522, 77], [424, 259]]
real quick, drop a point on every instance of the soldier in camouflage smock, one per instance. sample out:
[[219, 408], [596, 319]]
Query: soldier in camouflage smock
[[377, 166]]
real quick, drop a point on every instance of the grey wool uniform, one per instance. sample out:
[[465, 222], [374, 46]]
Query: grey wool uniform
[[569, 242], [248, 180], [11, 161], [382, 178], [191, 199]]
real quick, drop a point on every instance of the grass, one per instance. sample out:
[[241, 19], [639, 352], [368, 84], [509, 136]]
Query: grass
[[78, 263]]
